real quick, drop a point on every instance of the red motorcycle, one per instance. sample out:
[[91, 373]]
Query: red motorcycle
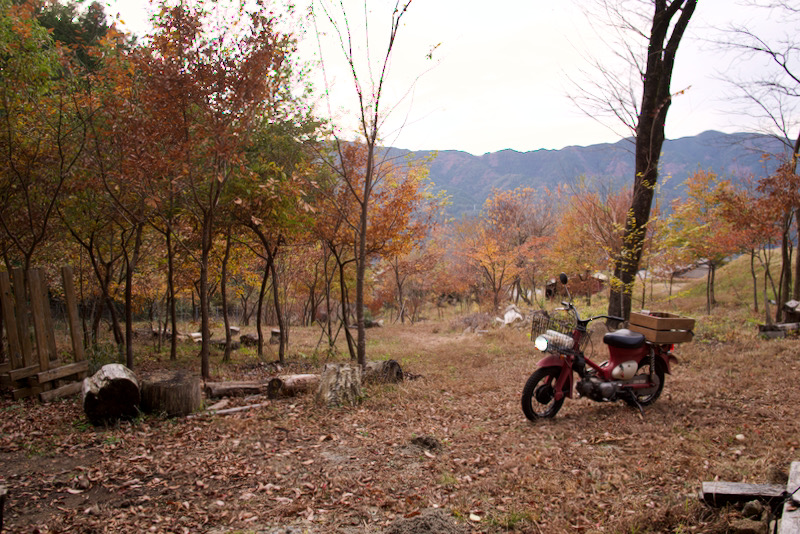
[[634, 372]]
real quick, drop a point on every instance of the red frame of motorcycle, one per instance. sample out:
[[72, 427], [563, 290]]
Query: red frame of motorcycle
[[616, 356]]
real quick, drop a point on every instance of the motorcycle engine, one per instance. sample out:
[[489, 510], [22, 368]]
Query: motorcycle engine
[[596, 389]]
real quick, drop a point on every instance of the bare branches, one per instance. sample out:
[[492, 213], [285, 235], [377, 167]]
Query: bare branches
[[771, 94]]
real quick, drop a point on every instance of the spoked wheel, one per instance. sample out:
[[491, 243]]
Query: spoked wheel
[[647, 396], [538, 395]]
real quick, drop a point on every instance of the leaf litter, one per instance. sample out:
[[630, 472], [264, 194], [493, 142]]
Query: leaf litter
[[450, 452]]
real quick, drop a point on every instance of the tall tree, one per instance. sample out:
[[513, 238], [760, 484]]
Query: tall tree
[[218, 76], [770, 92], [41, 134], [369, 89], [661, 23], [697, 227]]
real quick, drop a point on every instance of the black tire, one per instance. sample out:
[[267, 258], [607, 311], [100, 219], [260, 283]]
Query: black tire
[[650, 395], [538, 395]]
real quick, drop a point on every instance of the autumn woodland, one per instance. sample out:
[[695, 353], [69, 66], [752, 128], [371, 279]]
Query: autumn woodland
[[190, 182]]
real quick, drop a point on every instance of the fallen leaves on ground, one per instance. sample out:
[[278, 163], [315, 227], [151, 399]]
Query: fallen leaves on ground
[[455, 440]]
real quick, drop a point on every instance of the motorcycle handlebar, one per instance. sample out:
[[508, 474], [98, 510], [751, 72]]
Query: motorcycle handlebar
[[571, 307], [612, 317]]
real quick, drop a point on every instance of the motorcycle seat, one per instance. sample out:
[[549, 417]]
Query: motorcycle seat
[[624, 339]]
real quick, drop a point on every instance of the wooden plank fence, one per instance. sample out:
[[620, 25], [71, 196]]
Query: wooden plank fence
[[788, 496], [33, 367]]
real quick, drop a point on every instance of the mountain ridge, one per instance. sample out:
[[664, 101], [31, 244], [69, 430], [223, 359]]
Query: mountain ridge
[[469, 179]]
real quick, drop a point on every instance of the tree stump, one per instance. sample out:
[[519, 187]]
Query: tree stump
[[174, 393], [275, 336], [383, 371], [291, 385], [220, 344], [112, 393], [248, 340], [339, 385]]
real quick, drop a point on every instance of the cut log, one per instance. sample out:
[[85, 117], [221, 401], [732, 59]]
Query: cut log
[[172, 393], [383, 371], [218, 406], [722, 493], [215, 390], [340, 385], [275, 336], [112, 393], [291, 385]]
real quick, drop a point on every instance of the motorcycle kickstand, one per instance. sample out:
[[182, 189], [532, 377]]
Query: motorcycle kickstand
[[636, 402]]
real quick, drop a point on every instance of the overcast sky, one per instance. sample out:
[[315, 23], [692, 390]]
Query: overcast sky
[[500, 76]]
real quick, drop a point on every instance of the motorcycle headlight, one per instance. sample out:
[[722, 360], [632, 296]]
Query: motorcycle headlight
[[540, 343]]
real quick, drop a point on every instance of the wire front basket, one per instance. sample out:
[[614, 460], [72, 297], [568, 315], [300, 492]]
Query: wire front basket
[[559, 332]]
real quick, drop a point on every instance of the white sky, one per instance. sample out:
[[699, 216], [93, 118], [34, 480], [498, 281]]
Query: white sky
[[500, 78]]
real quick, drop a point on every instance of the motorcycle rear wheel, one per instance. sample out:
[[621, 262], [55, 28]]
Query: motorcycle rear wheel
[[650, 395], [538, 395]]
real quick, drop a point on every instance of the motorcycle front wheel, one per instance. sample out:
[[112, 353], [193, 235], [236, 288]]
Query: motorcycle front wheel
[[646, 397], [538, 395]]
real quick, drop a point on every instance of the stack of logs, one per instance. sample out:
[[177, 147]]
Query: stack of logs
[[115, 393]]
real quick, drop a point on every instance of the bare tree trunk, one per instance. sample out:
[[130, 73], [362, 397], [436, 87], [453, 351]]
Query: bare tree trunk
[[656, 99], [361, 264], [260, 313], [205, 306], [796, 288], [786, 266], [173, 313], [755, 279], [282, 326], [226, 357], [130, 266]]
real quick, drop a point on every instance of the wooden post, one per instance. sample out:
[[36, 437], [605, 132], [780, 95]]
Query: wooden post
[[39, 324], [23, 326], [49, 329], [11, 322], [72, 314], [790, 520]]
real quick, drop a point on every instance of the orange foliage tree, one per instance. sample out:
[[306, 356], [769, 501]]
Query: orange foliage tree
[[218, 83], [698, 228], [756, 220], [589, 234]]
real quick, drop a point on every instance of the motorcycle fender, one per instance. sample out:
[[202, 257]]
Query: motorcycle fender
[[554, 360], [668, 360]]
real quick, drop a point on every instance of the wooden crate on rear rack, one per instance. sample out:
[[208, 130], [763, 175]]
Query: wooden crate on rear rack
[[662, 327]]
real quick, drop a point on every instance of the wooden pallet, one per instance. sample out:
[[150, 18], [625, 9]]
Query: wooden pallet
[[724, 493], [33, 368], [662, 327]]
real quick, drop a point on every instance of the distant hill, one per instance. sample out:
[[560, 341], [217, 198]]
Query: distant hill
[[469, 179]]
